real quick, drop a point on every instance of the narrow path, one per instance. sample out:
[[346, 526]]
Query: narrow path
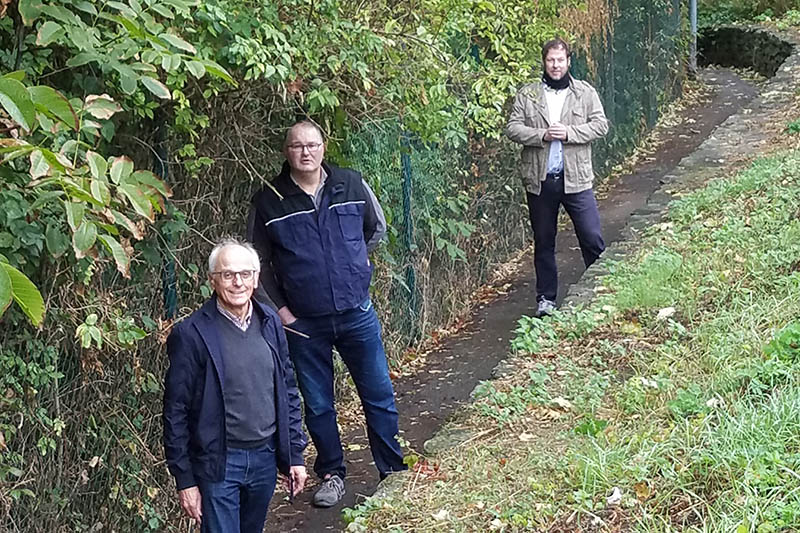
[[427, 399]]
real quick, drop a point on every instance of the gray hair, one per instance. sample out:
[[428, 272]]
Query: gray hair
[[232, 241], [306, 123]]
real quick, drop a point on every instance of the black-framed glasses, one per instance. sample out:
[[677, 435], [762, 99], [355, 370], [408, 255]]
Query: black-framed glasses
[[230, 275], [311, 147]]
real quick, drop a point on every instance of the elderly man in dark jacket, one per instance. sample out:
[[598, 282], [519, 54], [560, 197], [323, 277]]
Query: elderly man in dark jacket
[[231, 406]]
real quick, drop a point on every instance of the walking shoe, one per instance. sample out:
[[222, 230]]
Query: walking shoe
[[545, 308], [330, 492]]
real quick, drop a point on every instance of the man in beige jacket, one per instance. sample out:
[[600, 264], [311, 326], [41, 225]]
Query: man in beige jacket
[[555, 120]]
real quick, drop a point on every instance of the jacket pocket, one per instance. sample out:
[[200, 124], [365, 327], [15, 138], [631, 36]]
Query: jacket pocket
[[351, 220]]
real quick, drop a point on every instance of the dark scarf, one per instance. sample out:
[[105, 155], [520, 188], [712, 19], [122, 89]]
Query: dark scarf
[[557, 85]]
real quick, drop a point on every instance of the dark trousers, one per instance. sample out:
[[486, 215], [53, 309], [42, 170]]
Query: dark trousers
[[238, 503], [543, 209], [357, 337]]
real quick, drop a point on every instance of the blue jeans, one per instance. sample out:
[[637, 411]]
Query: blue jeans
[[543, 209], [238, 503], [356, 334]]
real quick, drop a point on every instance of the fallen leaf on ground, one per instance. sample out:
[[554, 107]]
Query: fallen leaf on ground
[[643, 491], [444, 514], [562, 403], [665, 313], [615, 498], [496, 524]]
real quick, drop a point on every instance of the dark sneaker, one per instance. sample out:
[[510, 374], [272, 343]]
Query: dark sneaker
[[545, 308], [330, 492]]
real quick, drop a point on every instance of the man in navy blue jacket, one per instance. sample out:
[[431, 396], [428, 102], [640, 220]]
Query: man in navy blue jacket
[[231, 406], [314, 227]]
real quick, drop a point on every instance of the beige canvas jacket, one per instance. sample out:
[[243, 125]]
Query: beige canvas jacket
[[585, 121]]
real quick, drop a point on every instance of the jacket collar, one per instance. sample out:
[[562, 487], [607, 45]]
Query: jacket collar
[[209, 309], [287, 187], [207, 329], [574, 94]]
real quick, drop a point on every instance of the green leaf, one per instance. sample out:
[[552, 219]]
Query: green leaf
[[122, 220], [118, 253], [17, 102], [122, 8], [83, 58], [178, 43], [43, 198], [101, 106], [29, 10], [48, 32], [18, 152], [86, 7], [74, 214], [97, 164], [163, 11], [84, 238], [216, 70], [54, 104], [145, 177], [25, 294], [5, 291], [65, 16], [108, 130], [57, 242], [121, 168], [156, 87], [18, 75], [197, 69], [127, 82], [141, 204], [39, 165], [100, 192], [82, 39], [181, 6], [171, 62]]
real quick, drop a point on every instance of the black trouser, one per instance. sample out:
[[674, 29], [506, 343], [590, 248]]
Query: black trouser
[[543, 209]]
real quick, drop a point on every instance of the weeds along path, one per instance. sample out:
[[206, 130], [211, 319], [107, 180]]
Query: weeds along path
[[428, 398]]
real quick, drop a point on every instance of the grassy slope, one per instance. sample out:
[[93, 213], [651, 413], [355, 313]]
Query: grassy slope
[[680, 387]]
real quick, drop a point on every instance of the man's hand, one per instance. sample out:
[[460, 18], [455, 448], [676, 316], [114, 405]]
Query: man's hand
[[286, 316], [556, 131], [296, 480], [299, 477], [191, 503]]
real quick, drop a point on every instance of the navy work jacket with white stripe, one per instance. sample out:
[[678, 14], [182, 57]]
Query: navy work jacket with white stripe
[[314, 260]]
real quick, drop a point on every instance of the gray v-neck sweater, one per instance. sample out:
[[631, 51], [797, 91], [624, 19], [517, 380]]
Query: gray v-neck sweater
[[249, 389]]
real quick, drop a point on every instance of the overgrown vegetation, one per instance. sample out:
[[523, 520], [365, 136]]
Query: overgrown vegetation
[[134, 133], [670, 404], [783, 13]]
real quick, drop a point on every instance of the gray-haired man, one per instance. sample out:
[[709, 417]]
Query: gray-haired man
[[231, 406]]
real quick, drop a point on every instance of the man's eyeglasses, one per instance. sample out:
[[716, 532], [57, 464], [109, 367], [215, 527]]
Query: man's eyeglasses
[[230, 275], [311, 147]]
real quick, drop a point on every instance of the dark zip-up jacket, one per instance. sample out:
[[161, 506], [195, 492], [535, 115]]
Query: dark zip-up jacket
[[314, 260], [194, 406]]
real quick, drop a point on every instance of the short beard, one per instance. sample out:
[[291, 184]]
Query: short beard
[[561, 83]]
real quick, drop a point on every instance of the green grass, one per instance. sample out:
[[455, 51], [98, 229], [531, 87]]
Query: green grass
[[680, 386]]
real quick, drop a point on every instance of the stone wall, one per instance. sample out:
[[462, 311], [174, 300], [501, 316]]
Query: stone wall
[[754, 47]]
